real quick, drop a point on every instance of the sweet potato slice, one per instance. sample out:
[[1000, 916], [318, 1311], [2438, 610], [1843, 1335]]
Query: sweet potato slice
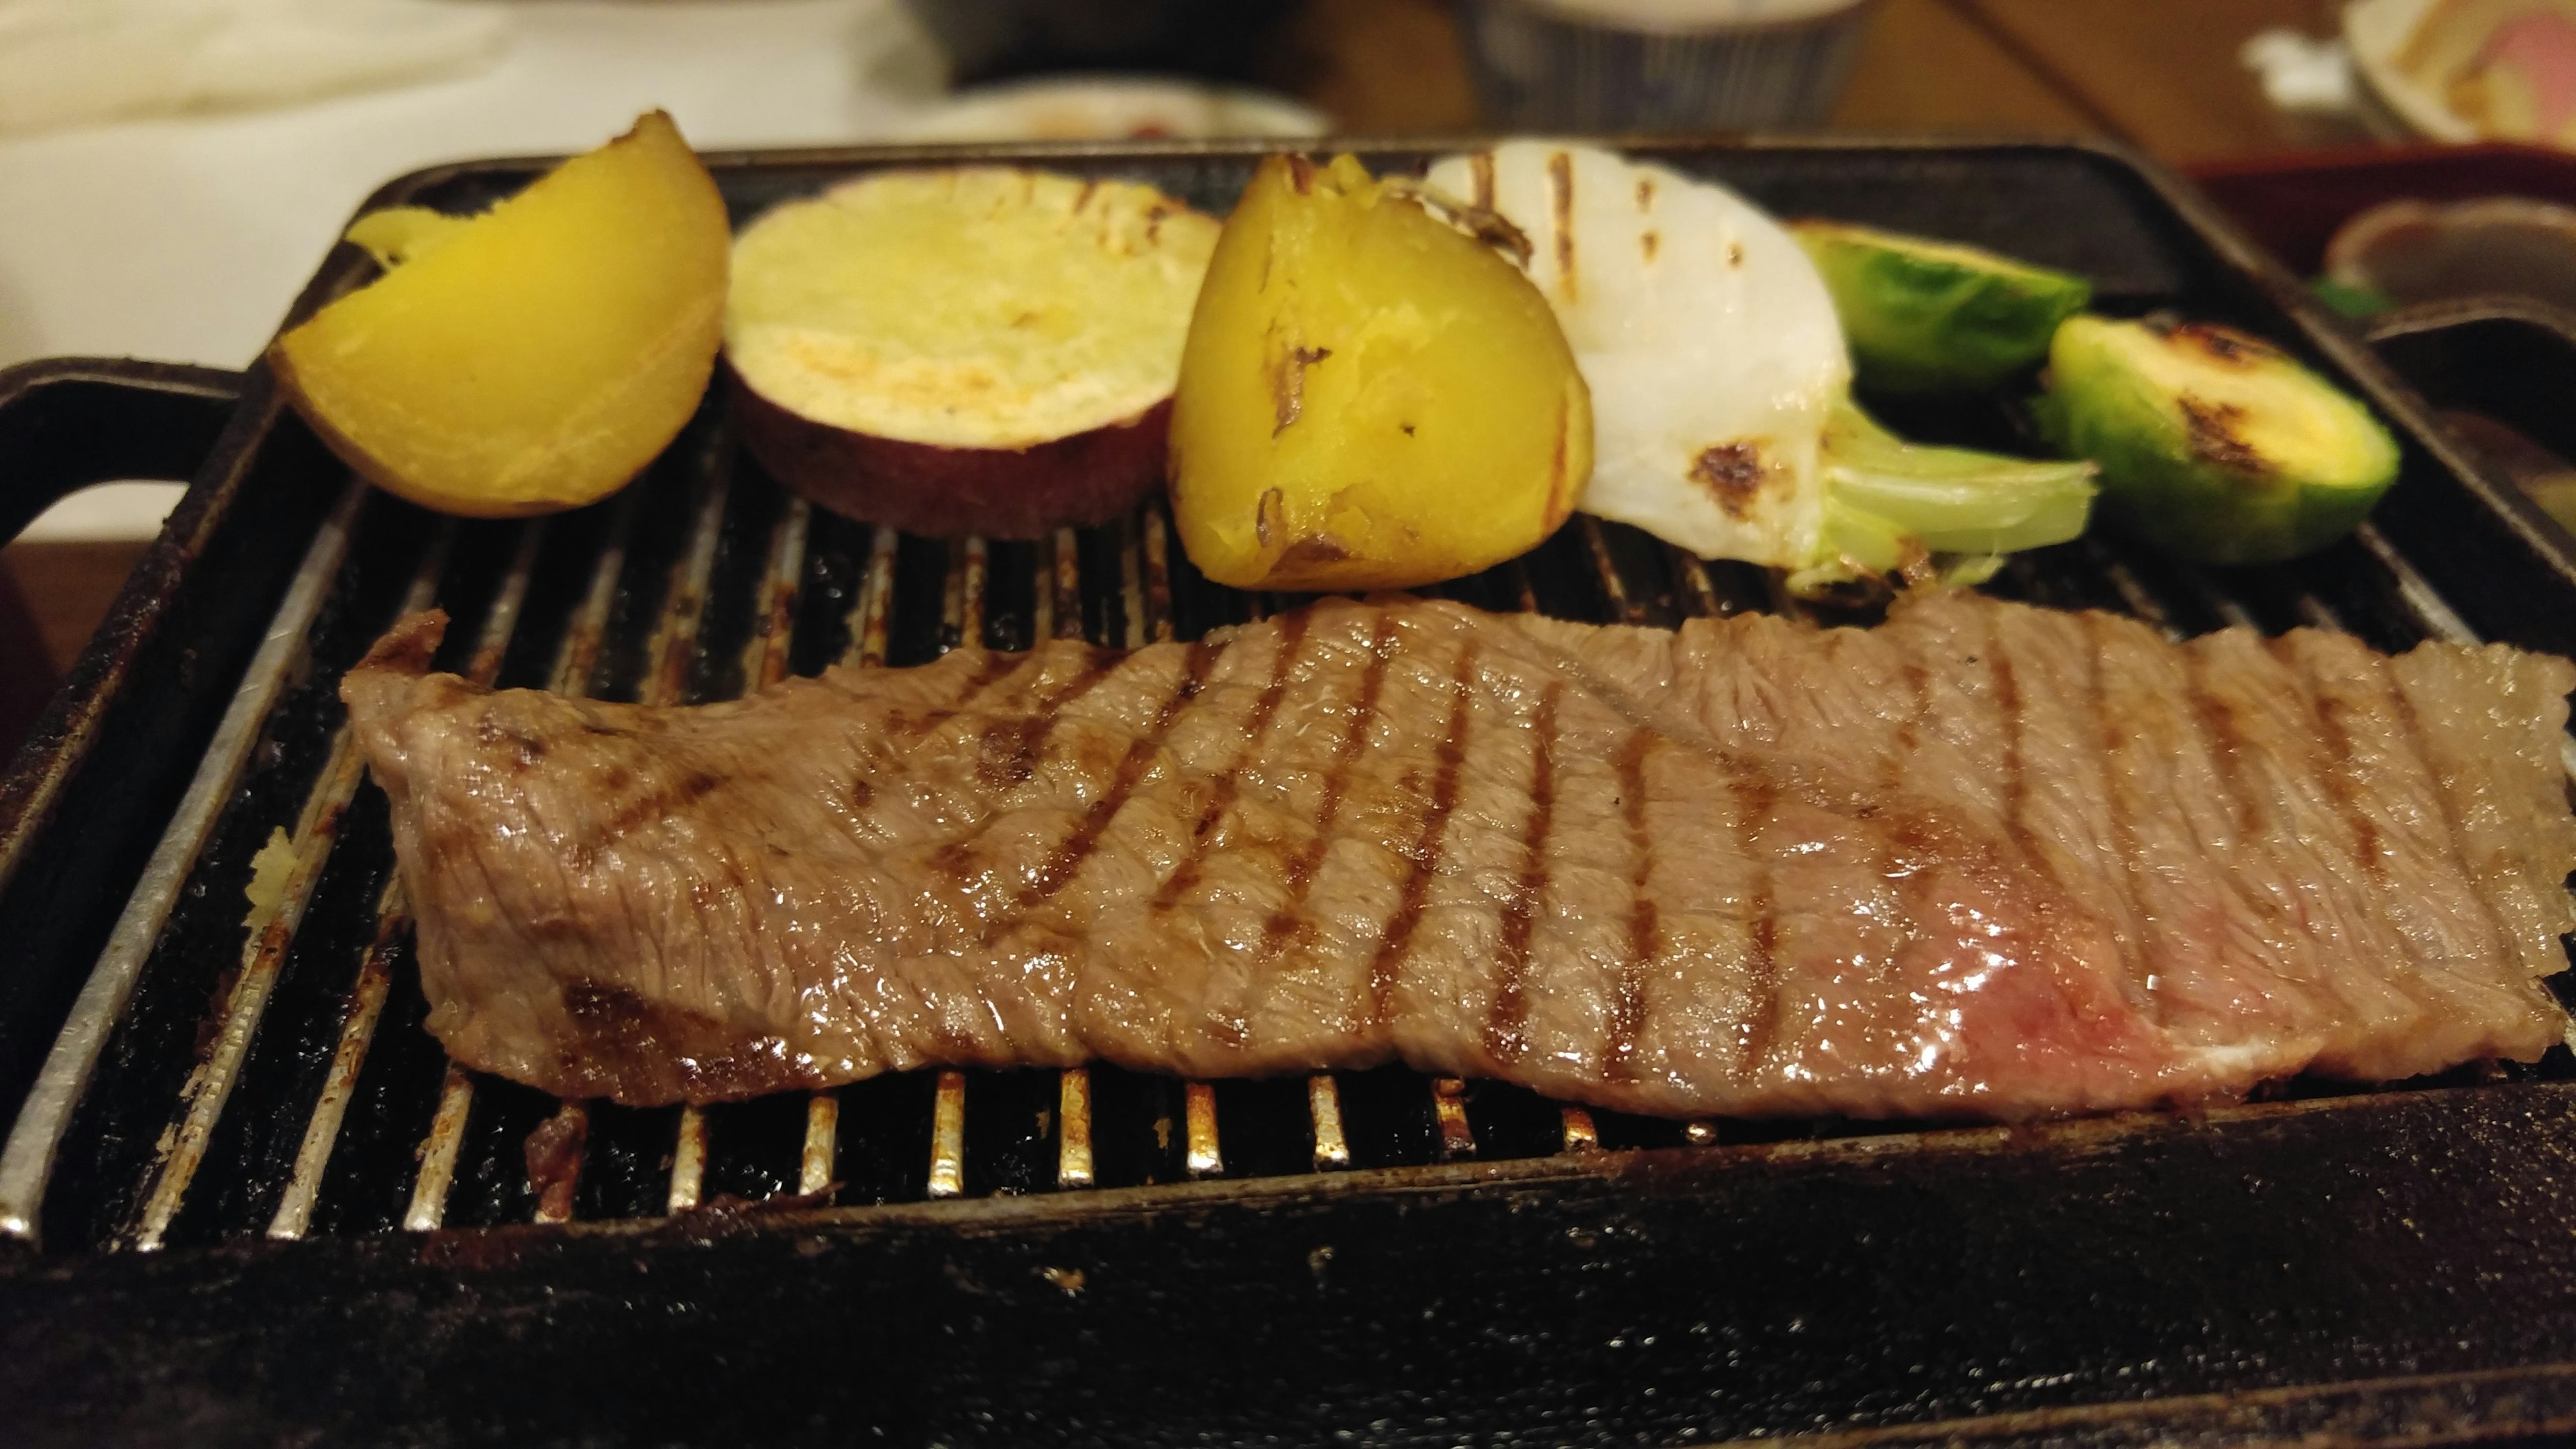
[[965, 350]]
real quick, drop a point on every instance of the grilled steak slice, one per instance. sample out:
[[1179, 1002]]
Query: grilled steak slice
[[1984, 860]]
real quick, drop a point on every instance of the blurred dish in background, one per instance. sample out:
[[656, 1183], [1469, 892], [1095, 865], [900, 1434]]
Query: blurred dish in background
[[993, 39], [2410, 251], [1077, 108], [75, 62], [1660, 65], [2469, 70]]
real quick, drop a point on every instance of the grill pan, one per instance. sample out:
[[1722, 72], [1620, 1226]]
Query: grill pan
[[245, 1198]]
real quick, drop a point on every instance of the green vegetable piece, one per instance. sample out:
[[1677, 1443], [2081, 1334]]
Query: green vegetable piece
[[2349, 300], [2212, 443], [1893, 506], [1927, 316]]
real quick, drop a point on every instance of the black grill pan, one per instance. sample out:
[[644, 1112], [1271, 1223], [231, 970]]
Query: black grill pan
[[246, 1200]]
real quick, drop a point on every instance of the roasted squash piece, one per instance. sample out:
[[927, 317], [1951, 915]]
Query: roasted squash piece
[[534, 357]]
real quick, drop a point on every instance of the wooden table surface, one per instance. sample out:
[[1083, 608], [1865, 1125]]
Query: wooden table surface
[[2161, 75]]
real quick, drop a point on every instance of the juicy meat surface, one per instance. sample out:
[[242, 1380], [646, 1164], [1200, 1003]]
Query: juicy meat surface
[[1984, 860]]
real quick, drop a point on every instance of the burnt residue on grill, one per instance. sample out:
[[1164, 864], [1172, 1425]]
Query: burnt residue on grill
[[163, 1035]]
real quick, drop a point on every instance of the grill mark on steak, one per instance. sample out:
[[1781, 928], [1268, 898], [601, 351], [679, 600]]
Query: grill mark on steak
[[1756, 796], [1504, 1035], [1645, 929], [2330, 757], [1909, 729], [1008, 751], [995, 666], [527, 749], [2226, 744], [1292, 639], [1076, 848], [1397, 936], [1290, 918], [1999, 667], [652, 805], [2121, 813], [2227, 753], [619, 1037], [2417, 745]]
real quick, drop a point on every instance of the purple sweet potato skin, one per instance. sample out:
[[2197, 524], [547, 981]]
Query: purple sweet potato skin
[[941, 492]]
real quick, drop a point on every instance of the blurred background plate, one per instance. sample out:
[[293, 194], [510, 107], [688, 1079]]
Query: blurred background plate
[[1088, 107]]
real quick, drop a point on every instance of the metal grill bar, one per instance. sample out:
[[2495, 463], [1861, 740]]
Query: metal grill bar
[[1324, 1107], [674, 649], [1204, 1158], [1699, 597], [688, 1159], [1449, 1115], [1145, 564], [962, 622], [815, 1164], [1332, 1148], [767, 665], [1703, 601], [27, 1163], [1059, 596], [273, 926], [2218, 601], [948, 1136], [765, 658], [764, 663], [1596, 545], [876, 591], [375, 972], [428, 1206], [1073, 1165], [819, 1159], [2134, 595], [2417, 593], [576, 661], [1581, 1135]]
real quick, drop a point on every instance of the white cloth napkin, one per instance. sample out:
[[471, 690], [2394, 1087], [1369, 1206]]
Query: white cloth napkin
[[68, 62]]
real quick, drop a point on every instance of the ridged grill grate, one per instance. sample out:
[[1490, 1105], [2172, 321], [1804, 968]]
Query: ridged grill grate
[[224, 1076]]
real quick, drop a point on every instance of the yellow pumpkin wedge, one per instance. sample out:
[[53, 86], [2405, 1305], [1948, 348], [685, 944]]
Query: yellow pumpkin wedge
[[535, 357]]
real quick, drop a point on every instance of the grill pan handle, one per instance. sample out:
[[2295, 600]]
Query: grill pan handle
[[69, 422]]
